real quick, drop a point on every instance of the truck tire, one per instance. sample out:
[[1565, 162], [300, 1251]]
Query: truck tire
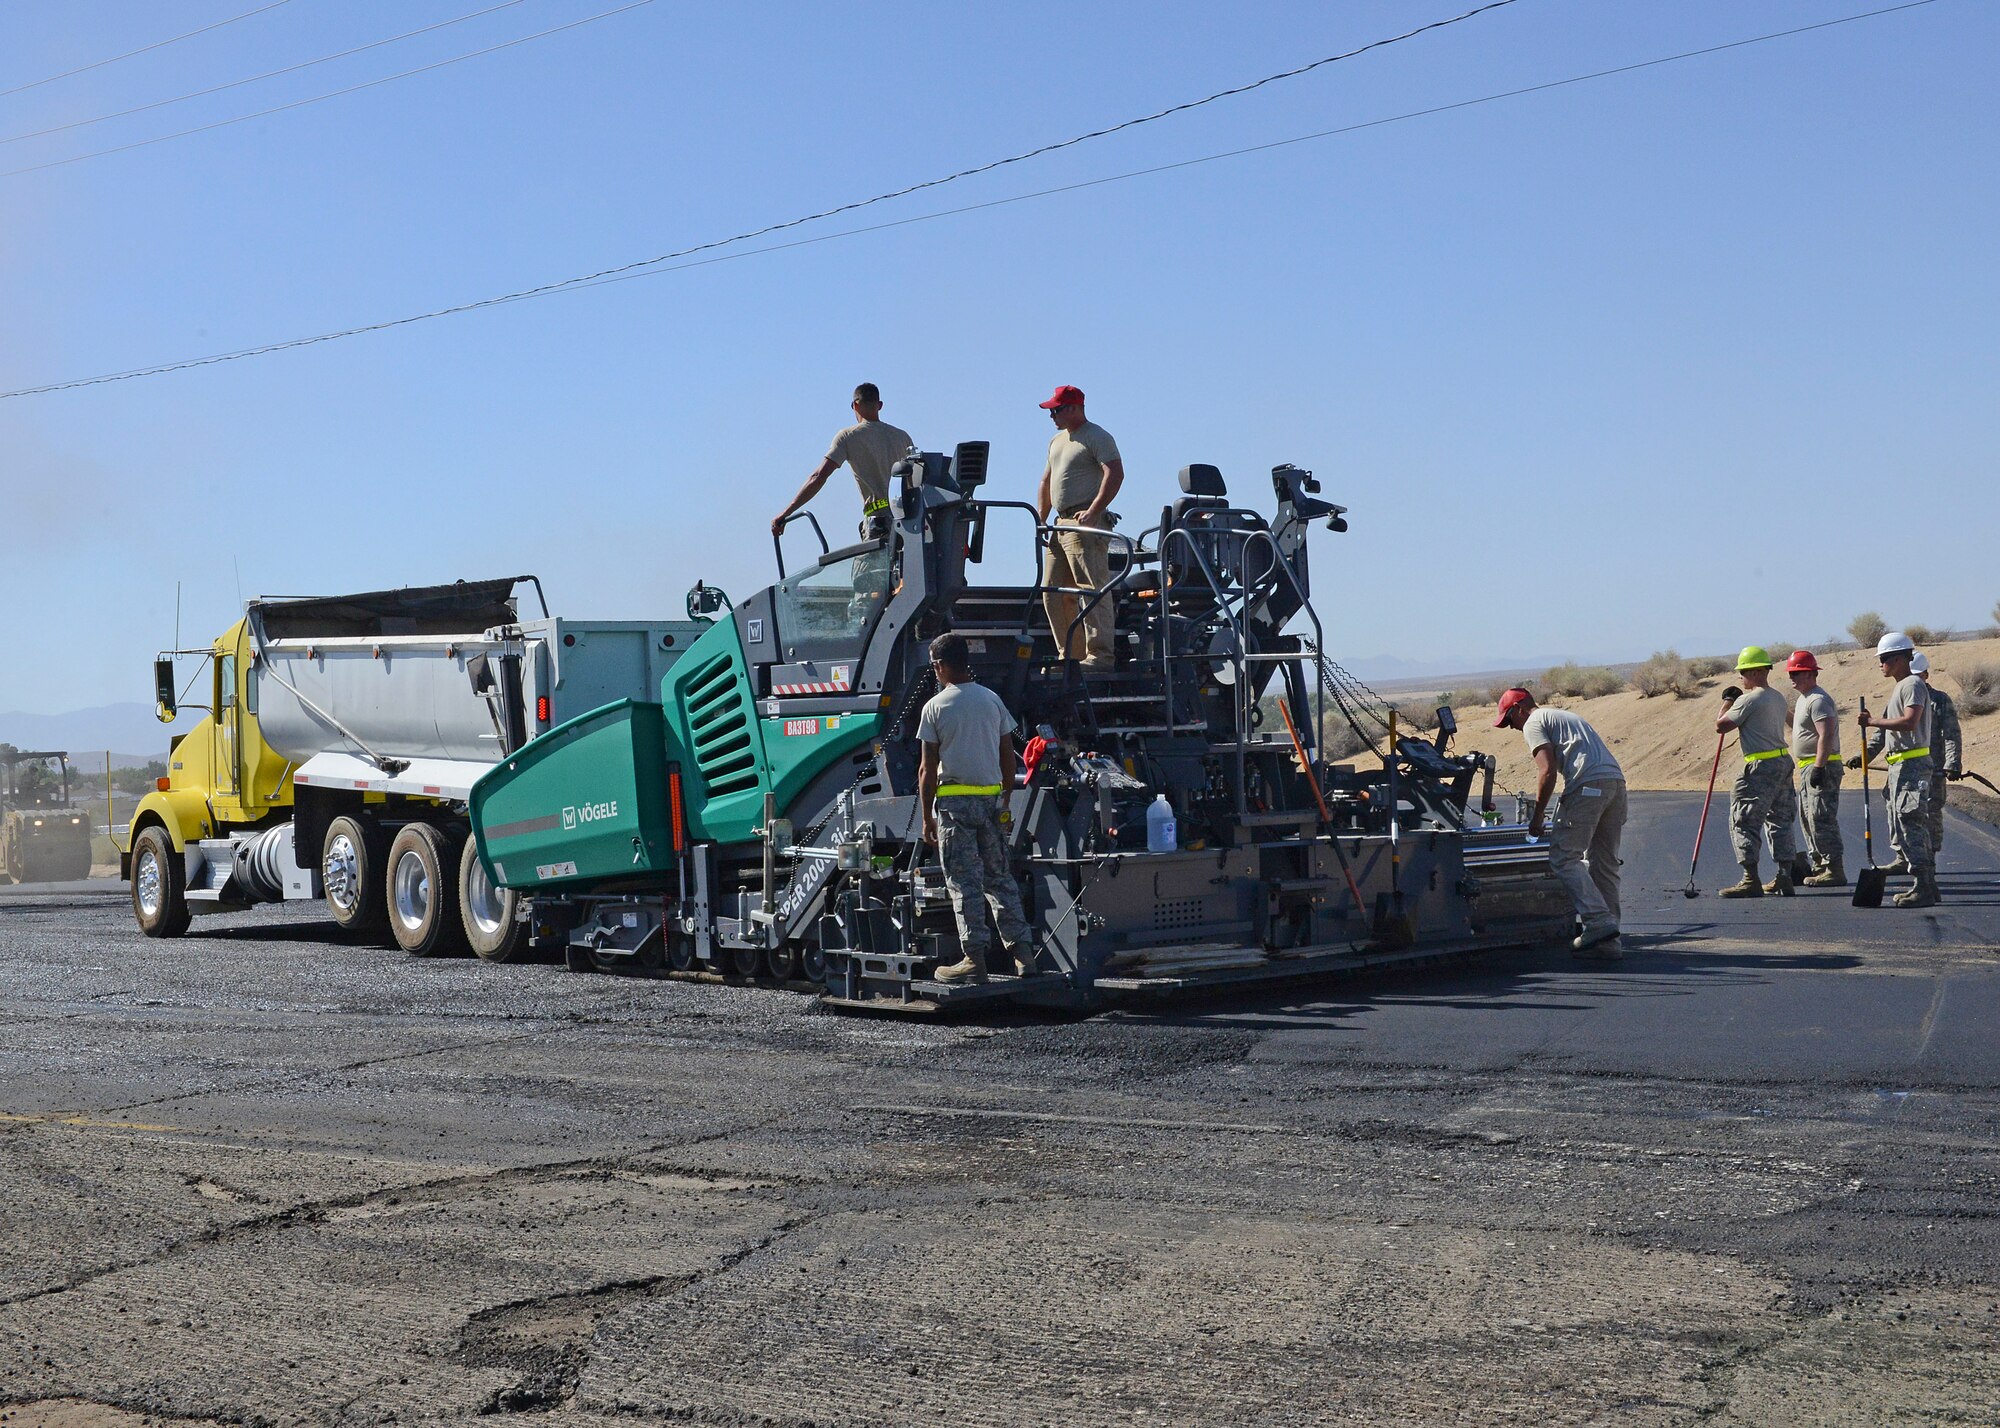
[[422, 891], [159, 885], [351, 865], [491, 928]]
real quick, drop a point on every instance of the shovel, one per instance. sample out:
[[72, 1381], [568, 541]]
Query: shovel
[[1395, 928], [1868, 886]]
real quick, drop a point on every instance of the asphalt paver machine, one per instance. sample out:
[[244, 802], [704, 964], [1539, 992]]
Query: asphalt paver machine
[[44, 836], [760, 820]]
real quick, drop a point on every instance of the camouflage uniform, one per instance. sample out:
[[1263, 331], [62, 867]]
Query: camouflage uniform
[[1763, 802], [1819, 811], [1906, 785], [1947, 757], [974, 853]]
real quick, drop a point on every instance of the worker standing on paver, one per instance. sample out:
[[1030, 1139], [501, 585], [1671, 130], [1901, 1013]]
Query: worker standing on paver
[[1947, 750], [1762, 802], [1590, 820], [1079, 482], [869, 449], [1816, 751], [964, 786], [1905, 722]]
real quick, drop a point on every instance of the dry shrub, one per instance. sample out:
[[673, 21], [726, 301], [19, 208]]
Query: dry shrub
[[1665, 672], [1867, 628], [1979, 689], [1708, 666], [1576, 681], [1492, 693], [1921, 635]]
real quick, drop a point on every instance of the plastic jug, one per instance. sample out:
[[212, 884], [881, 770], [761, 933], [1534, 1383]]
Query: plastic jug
[[1160, 828]]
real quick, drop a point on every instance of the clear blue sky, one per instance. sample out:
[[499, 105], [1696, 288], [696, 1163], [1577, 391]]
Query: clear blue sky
[[1695, 356]]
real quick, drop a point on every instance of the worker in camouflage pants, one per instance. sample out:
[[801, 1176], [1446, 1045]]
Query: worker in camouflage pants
[[1816, 751], [1947, 750], [1762, 802], [1905, 721], [964, 786]]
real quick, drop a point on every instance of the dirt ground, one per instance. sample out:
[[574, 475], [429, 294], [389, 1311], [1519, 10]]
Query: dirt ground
[[1669, 743]]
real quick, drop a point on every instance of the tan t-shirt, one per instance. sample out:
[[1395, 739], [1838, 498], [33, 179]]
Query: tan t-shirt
[[869, 449], [1806, 715], [1759, 717], [966, 722], [1910, 693], [1076, 466]]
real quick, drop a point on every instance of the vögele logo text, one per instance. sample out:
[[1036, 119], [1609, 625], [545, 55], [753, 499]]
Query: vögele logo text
[[588, 813]]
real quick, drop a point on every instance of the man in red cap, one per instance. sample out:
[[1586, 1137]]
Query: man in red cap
[[1816, 750], [1079, 482], [1590, 820]]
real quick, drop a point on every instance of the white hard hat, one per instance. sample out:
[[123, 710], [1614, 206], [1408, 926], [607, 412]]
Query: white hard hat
[[1919, 664], [1895, 642]]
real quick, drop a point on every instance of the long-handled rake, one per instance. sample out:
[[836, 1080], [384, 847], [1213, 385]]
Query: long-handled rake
[[1694, 862]]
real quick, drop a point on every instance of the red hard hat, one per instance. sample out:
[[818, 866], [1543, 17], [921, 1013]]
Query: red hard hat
[[1801, 662]]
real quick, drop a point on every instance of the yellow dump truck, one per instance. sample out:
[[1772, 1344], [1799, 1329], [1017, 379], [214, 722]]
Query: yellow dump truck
[[341, 738]]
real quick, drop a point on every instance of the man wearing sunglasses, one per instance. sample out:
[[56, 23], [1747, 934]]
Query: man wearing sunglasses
[[1079, 481]]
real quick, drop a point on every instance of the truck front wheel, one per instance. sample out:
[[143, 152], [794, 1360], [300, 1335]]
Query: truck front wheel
[[423, 891], [159, 885], [488, 911], [351, 863]]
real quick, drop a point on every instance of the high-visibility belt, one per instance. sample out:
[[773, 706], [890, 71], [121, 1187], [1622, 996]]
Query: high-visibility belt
[[1832, 758], [1767, 754], [1922, 753], [880, 503], [951, 789]]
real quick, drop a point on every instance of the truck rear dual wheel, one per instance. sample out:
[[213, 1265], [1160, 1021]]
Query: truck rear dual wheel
[[423, 890], [352, 859], [488, 912], [159, 885]]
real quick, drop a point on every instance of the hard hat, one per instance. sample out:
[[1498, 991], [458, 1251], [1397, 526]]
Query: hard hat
[[1754, 657], [1801, 662], [1919, 664], [1895, 642]]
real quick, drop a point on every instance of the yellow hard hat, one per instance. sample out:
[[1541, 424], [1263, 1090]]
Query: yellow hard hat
[[1754, 657]]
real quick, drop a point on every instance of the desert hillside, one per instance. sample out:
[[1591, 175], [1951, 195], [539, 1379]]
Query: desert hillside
[[1669, 743]]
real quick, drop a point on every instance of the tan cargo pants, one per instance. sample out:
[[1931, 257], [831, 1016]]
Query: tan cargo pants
[[1081, 561], [1583, 849]]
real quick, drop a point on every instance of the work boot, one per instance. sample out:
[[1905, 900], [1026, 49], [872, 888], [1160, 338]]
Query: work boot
[[1593, 941], [963, 970], [1024, 958], [1898, 869], [1749, 887], [1924, 894], [1781, 883], [1831, 875]]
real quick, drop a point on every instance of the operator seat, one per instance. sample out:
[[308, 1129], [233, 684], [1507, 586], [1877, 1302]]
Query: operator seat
[[1213, 526]]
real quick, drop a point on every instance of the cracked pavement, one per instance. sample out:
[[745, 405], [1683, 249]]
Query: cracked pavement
[[1748, 1176]]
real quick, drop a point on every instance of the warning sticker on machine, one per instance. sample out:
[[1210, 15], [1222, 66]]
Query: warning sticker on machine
[[796, 727], [548, 871]]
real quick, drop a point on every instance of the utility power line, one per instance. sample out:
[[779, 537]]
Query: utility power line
[[335, 94], [142, 50], [256, 78], [666, 264]]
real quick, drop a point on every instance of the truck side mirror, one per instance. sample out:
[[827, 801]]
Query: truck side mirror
[[163, 691]]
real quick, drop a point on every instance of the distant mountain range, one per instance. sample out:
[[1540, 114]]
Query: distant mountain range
[[129, 731]]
